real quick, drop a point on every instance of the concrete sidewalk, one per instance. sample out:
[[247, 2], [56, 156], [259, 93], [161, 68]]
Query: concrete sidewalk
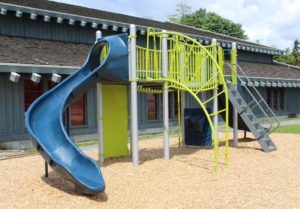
[[290, 122]]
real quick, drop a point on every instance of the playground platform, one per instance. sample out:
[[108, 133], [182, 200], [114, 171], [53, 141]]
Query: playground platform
[[188, 180]]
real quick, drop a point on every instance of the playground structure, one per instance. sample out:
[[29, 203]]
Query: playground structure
[[169, 62]]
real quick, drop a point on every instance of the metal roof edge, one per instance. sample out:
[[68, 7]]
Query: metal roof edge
[[31, 68]]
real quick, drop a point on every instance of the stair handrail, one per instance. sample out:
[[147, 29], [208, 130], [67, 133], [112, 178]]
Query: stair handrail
[[270, 129], [264, 102]]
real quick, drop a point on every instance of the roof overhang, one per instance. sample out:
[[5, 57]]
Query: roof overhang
[[124, 26], [40, 69], [268, 82]]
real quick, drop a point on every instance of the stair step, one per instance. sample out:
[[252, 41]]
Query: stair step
[[271, 146], [261, 131], [250, 116], [255, 124], [239, 100], [244, 107], [234, 92]]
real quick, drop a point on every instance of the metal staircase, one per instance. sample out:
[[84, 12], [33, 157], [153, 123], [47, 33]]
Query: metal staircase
[[246, 111]]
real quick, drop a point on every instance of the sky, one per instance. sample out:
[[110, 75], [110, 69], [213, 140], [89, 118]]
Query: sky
[[272, 22]]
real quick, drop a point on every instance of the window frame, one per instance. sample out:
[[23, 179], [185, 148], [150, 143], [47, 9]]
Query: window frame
[[68, 110], [24, 92], [276, 99], [159, 103], [85, 125]]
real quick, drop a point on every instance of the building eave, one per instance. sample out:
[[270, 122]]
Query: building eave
[[273, 82], [40, 69], [141, 28]]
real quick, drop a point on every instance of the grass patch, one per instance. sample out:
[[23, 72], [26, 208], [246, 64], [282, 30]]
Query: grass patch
[[31, 151], [291, 129], [280, 119], [86, 143], [79, 144]]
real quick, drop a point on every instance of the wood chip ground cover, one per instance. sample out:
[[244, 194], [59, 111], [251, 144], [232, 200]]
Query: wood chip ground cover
[[254, 179]]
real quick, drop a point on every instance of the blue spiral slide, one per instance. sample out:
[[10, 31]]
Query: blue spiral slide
[[44, 118]]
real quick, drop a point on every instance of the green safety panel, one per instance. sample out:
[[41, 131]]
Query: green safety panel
[[115, 120]]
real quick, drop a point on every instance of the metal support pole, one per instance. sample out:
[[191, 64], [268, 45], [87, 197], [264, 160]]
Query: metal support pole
[[235, 117], [182, 100], [182, 96], [165, 96], [215, 92], [100, 115], [46, 169], [245, 134], [133, 97]]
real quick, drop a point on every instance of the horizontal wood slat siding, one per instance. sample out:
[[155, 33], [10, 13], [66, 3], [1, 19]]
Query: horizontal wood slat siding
[[25, 27], [11, 107]]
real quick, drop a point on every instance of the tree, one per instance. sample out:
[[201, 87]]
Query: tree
[[207, 20], [195, 19], [182, 9], [296, 48], [291, 57]]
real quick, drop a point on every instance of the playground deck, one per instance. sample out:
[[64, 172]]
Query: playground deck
[[254, 180]]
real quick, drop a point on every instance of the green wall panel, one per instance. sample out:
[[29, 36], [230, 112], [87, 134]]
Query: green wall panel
[[115, 120]]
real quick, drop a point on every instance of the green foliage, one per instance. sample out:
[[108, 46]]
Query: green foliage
[[207, 20], [291, 57]]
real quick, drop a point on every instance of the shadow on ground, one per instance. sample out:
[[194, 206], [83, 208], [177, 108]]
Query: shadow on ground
[[68, 187], [179, 154], [149, 154]]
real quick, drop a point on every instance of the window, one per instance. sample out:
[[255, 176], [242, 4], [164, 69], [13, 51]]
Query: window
[[275, 98], [173, 105], [155, 107], [31, 92], [269, 97], [152, 100], [51, 84], [281, 98], [78, 111]]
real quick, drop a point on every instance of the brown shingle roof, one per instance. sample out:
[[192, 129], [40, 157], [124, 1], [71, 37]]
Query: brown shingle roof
[[94, 13], [261, 70], [43, 52]]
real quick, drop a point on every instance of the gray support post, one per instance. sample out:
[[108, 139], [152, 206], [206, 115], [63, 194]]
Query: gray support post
[[46, 170], [235, 117], [182, 96], [165, 96], [133, 97], [182, 101], [215, 92], [100, 115]]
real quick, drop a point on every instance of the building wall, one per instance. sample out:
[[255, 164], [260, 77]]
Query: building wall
[[12, 112], [291, 100], [254, 57], [12, 94]]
